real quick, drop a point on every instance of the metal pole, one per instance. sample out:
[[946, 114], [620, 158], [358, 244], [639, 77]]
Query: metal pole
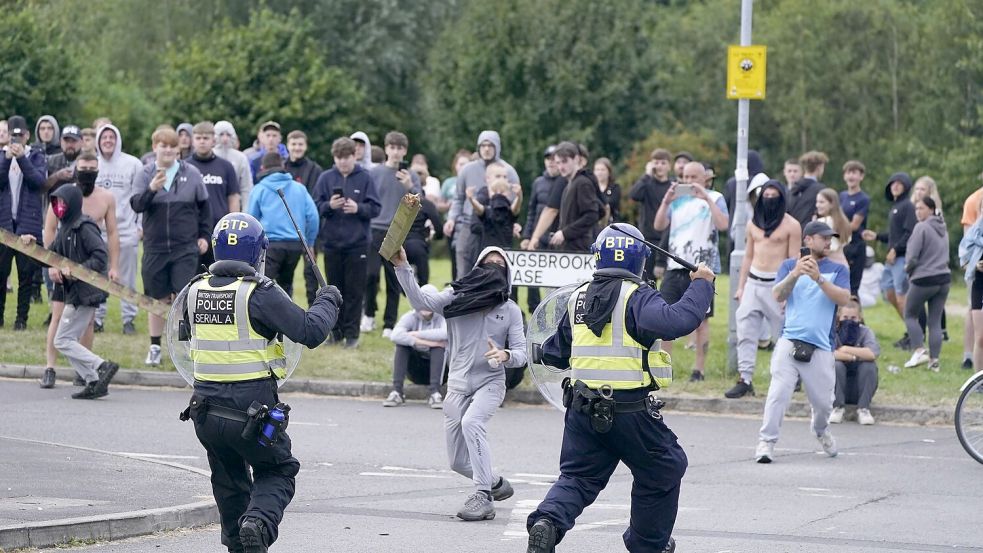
[[741, 206]]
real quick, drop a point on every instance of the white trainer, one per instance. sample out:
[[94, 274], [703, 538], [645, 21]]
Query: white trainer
[[828, 443], [918, 357], [153, 356], [764, 452], [367, 325], [436, 401], [864, 417], [836, 416], [394, 400], [387, 333]]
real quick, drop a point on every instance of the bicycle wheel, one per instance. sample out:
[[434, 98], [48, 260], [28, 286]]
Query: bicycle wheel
[[969, 417]]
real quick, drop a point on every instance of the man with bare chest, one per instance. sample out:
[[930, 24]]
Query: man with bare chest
[[99, 205], [772, 237]]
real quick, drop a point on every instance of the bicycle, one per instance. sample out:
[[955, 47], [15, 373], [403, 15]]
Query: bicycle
[[969, 416]]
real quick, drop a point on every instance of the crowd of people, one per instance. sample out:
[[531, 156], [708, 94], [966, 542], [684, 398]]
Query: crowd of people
[[169, 199]]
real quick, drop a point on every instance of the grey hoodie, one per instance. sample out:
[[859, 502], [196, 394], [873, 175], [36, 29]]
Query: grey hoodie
[[468, 335], [120, 174], [928, 249], [53, 147], [472, 176], [238, 160], [366, 161]]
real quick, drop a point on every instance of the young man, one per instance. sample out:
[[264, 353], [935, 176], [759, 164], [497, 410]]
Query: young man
[[771, 237], [792, 172], [580, 206], [421, 343], [347, 201], [802, 195], [227, 148], [80, 241], [121, 173], [219, 177], [856, 204], [391, 184], [538, 198], [285, 249], [23, 172], [363, 150], [679, 164], [649, 191], [813, 286], [270, 140], [901, 222], [176, 227], [48, 135], [481, 320], [99, 205], [305, 171], [694, 217]]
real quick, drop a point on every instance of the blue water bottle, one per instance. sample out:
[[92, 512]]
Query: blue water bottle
[[274, 423]]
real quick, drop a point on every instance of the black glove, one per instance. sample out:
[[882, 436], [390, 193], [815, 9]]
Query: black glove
[[331, 293]]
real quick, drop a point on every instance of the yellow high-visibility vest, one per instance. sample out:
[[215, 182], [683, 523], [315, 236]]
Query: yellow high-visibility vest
[[614, 358], [224, 346]]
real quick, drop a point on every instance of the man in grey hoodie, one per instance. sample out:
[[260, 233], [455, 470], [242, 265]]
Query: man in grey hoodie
[[472, 177], [119, 173], [363, 150], [48, 134], [485, 336], [226, 142]]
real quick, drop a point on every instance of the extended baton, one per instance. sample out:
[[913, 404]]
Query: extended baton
[[676, 258], [307, 250]]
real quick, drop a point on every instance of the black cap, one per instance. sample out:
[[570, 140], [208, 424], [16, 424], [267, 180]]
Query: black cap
[[685, 154], [17, 125], [71, 131], [817, 227], [549, 151]]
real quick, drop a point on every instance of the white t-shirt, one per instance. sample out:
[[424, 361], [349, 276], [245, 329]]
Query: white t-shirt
[[870, 285], [692, 234]]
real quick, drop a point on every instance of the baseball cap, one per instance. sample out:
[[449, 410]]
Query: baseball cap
[[269, 124], [71, 131], [17, 125], [820, 228], [549, 151], [685, 154]]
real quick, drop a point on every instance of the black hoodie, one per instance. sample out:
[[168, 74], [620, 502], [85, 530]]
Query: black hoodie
[[901, 219], [80, 240]]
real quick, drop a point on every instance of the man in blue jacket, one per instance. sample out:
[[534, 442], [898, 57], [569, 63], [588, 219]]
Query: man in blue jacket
[[23, 171], [347, 200], [265, 205]]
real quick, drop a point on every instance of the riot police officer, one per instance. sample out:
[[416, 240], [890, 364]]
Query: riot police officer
[[609, 338], [236, 318]]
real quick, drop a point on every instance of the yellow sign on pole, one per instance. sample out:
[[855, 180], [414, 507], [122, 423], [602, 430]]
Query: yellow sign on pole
[[746, 73]]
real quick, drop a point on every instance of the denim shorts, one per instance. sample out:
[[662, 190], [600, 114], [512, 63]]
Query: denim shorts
[[894, 277]]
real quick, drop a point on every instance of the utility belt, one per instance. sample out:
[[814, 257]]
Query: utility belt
[[601, 406], [260, 423]]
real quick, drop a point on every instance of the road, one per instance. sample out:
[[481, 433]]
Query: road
[[376, 479]]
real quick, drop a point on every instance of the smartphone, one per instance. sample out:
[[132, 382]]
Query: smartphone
[[16, 138], [404, 165], [337, 192], [684, 189], [804, 251]]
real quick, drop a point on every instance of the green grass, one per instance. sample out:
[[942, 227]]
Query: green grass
[[372, 361]]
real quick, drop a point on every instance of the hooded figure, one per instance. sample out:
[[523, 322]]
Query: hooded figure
[[239, 161], [80, 240], [769, 212], [366, 161], [901, 219], [485, 337], [52, 146], [755, 165], [119, 172], [188, 129]]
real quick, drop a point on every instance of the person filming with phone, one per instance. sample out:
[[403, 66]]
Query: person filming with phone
[[812, 287]]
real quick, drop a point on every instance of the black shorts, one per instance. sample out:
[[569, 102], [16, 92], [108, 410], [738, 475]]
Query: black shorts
[[976, 294], [674, 285], [57, 292], [167, 273]]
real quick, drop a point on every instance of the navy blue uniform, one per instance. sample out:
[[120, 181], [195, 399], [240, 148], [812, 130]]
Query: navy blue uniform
[[269, 491], [645, 444]]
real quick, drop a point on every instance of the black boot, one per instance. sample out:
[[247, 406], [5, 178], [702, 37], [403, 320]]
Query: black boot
[[542, 537], [252, 535], [91, 391], [670, 547], [107, 370], [79, 381], [740, 389], [48, 380]]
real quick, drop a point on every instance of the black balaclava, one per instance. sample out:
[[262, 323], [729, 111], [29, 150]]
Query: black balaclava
[[486, 286], [72, 197], [848, 333], [86, 180], [769, 212]]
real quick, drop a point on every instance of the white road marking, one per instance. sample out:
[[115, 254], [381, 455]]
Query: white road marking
[[393, 474], [534, 475], [157, 456]]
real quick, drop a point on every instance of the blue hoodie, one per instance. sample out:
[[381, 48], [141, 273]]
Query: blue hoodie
[[265, 205]]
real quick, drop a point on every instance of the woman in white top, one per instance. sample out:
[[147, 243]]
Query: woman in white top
[[828, 211]]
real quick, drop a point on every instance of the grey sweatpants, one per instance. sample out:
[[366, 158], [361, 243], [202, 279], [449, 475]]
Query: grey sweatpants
[[127, 277], [74, 321], [462, 249], [866, 383], [917, 297], [757, 315], [465, 420], [818, 379]]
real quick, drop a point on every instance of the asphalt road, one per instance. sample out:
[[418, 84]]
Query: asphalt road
[[376, 479]]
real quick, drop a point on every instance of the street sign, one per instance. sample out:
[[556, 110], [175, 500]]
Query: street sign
[[746, 72], [549, 269]]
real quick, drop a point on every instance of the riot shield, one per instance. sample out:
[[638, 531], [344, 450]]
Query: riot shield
[[179, 343], [543, 324]]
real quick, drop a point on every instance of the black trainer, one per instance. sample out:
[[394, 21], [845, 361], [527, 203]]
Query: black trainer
[[740, 389], [91, 391], [542, 537], [107, 370], [252, 536], [697, 376], [20, 325], [97, 327], [79, 381], [670, 547], [968, 364], [48, 379]]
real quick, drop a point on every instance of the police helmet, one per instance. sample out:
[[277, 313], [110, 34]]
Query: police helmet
[[240, 237], [615, 249]]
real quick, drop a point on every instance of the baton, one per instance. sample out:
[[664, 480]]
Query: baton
[[676, 258], [307, 250]]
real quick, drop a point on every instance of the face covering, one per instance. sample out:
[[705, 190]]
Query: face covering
[[848, 332], [486, 286], [86, 181], [768, 213], [59, 206]]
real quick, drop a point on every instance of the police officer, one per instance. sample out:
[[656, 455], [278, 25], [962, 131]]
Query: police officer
[[236, 317], [609, 339]]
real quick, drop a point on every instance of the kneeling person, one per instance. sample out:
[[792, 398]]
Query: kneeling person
[[421, 341]]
